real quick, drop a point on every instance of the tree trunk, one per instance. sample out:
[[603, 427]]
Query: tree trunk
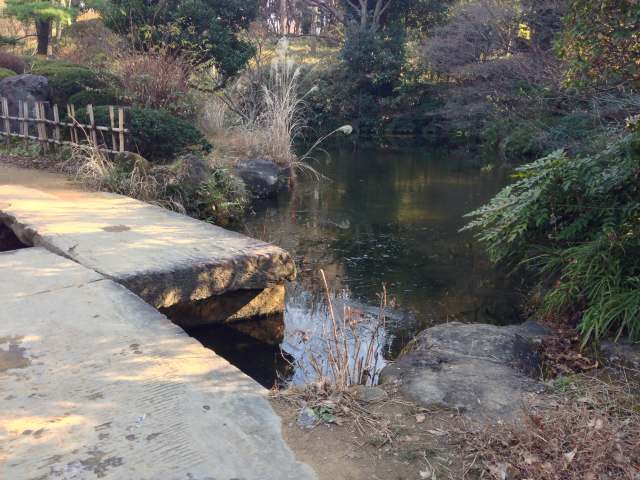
[[43, 31], [283, 17]]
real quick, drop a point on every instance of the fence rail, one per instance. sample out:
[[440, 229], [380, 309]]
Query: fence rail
[[51, 131]]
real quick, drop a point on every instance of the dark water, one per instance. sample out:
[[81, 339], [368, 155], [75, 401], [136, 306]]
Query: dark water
[[382, 217]]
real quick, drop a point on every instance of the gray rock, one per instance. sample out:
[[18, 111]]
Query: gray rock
[[624, 353], [307, 418], [24, 87], [369, 394], [263, 178], [482, 370], [193, 169]]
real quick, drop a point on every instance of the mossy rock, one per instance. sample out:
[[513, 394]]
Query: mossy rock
[[128, 161]]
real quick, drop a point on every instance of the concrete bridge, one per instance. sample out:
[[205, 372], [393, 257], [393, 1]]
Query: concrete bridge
[[96, 382]]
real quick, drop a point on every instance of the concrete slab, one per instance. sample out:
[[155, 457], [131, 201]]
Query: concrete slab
[[95, 383], [164, 257]]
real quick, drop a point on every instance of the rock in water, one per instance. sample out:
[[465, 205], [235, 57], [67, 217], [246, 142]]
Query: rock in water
[[482, 370], [263, 178], [31, 88]]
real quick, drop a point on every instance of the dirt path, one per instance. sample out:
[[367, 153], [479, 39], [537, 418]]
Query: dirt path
[[10, 174], [421, 445]]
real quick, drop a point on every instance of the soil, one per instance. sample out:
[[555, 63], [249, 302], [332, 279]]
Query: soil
[[33, 172], [422, 445]]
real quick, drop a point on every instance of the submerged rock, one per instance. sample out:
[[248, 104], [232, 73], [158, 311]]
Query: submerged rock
[[482, 370], [263, 178]]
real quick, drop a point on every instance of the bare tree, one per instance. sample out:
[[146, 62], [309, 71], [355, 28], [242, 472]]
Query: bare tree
[[367, 14]]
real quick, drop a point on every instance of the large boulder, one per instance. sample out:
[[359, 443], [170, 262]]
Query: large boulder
[[484, 371], [624, 353], [263, 178], [24, 87]]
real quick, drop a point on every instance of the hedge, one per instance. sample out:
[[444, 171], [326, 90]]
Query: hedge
[[66, 79], [5, 73], [155, 134]]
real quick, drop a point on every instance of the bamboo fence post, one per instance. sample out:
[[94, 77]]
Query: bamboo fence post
[[45, 130], [121, 127], [40, 125], [7, 122], [112, 123], [25, 121], [56, 125], [92, 123], [74, 132]]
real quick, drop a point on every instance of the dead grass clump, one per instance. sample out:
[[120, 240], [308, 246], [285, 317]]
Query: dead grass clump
[[590, 430], [332, 406], [270, 109], [191, 185], [12, 62], [157, 80], [344, 352]]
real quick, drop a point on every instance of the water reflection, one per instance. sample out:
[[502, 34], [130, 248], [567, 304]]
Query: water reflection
[[393, 218]]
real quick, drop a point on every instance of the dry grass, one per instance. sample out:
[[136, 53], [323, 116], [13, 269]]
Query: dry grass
[[349, 356], [269, 111], [334, 406], [589, 430], [156, 80]]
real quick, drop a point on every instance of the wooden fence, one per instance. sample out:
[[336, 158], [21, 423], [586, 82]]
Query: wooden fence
[[53, 131]]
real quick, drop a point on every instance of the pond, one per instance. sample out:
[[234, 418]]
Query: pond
[[378, 217]]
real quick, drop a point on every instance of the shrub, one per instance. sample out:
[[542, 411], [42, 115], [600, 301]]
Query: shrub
[[5, 73], [190, 185], [158, 81], [96, 97], [12, 62], [155, 134], [66, 79], [576, 223]]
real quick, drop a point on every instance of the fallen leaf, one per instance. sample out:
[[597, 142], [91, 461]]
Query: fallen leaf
[[569, 456]]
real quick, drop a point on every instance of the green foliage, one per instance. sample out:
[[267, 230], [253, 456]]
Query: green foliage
[[205, 31], [359, 89], [29, 10], [576, 222], [96, 97], [66, 79], [601, 42], [155, 134], [6, 73], [220, 198]]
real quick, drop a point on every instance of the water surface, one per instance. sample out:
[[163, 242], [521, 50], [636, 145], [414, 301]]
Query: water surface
[[383, 218]]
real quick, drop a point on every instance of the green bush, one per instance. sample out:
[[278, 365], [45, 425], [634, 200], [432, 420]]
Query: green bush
[[5, 73], [575, 222], [96, 97], [66, 79], [155, 134]]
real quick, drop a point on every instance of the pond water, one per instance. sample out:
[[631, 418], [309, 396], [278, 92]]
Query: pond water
[[379, 217]]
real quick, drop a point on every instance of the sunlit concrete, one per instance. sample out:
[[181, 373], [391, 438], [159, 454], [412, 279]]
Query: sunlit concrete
[[95, 383], [164, 257]]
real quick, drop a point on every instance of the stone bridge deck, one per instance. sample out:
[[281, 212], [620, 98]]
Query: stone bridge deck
[[94, 381], [164, 257]]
